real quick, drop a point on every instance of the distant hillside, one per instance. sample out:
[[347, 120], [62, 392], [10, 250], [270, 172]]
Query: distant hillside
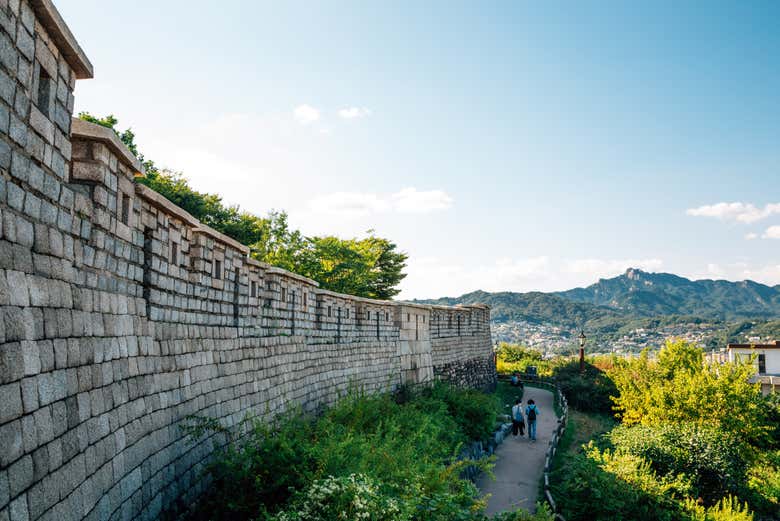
[[643, 294], [537, 307], [636, 301], [553, 310]]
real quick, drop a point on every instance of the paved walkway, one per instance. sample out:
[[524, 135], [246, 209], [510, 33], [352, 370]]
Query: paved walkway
[[520, 464]]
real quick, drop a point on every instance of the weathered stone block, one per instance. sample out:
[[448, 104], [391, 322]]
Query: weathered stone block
[[24, 228], [10, 402], [18, 509], [5, 157], [5, 495], [15, 196], [31, 358], [43, 425], [18, 131], [20, 475], [29, 390], [11, 362], [11, 442], [8, 52]]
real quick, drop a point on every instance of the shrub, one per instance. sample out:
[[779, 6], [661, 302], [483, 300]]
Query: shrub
[[542, 514], [679, 386], [764, 483], [513, 353], [713, 461], [473, 411], [727, 509], [259, 471], [347, 498], [590, 391], [607, 485], [368, 457]]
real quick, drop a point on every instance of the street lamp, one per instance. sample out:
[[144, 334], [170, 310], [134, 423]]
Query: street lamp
[[582, 351]]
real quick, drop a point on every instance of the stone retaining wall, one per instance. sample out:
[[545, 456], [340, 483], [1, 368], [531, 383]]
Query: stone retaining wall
[[121, 314]]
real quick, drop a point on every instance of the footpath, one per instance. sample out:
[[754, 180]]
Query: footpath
[[520, 462]]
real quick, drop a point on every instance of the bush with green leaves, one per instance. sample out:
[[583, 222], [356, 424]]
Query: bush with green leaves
[[607, 485], [259, 467], [366, 456], [679, 386], [696, 442], [727, 509], [588, 391], [714, 462], [348, 498]]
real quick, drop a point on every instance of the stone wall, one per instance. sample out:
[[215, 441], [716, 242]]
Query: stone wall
[[121, 314]]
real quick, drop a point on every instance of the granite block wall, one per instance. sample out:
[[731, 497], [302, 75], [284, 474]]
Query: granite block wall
[[121, 314]]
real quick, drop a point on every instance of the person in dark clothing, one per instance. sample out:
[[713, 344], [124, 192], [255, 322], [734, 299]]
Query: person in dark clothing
[[531, 412]]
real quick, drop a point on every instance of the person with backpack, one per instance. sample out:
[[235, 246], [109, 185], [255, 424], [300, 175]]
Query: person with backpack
[[531, 412], [517, 418]]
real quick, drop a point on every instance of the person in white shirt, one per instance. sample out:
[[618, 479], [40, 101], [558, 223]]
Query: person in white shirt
[[517, 418]]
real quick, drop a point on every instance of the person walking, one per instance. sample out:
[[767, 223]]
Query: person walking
[[517, 418], [531, 412]]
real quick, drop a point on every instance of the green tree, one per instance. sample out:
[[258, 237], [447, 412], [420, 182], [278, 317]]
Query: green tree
[[369, 267], [679, 386]]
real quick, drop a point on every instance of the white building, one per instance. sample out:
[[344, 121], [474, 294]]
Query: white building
[[766, 357]]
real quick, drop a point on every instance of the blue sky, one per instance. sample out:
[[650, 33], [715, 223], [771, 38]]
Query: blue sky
[[503, 145]]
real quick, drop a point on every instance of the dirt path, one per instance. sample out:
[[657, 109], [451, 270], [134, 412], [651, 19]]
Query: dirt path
[[520, 462]]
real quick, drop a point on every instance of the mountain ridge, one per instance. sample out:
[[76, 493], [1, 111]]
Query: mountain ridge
[[633, 310], [635, 298], [653, 294]]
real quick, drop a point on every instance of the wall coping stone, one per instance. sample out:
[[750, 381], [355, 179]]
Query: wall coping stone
[[221, 237], [51, 19], [281, 271], [160, 201], [91, 131]]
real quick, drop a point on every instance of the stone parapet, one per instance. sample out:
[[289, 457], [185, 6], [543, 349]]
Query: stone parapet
[[121, 314]]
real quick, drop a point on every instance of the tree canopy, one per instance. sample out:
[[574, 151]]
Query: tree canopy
[[368, 267], [679, 386]]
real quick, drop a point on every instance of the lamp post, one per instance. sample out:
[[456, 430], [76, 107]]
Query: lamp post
[[582, 351]]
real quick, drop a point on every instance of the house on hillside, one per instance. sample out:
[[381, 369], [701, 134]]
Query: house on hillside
[[767, 361]]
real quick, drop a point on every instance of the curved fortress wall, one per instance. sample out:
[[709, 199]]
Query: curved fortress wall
[[121, 314]]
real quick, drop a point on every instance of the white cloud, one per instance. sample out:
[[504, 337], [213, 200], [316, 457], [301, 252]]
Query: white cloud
[[433, 277], [736, 271], [354, 113], [306, 114], [601, 268], [740, 212], [350, 204], [773, 232], [411, 200], [605, 268], [407, 200], [751, 236]]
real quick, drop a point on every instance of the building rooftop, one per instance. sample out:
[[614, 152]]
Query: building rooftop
[[772, 345]]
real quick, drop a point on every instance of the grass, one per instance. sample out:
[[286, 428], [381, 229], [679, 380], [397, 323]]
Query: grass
[[582, 427]]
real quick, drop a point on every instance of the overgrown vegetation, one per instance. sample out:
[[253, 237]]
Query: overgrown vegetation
[[695, 441], [587, 391], [380, 458], [368, 267]]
